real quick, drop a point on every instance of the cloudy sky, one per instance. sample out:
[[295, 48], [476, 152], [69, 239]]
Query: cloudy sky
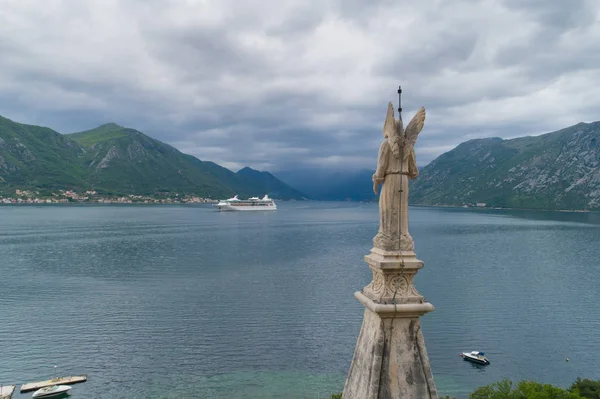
[[300, 83]]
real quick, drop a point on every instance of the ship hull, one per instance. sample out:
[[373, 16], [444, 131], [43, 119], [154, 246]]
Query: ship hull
[[245, 208]]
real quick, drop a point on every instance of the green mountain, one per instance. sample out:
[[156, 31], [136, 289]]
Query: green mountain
[[34, 156], [558, 170], [115, 160], [123, 160]]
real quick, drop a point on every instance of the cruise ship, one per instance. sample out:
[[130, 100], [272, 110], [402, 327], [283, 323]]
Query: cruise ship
[[251, 204]]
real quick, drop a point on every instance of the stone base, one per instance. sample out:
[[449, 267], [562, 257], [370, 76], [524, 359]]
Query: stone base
[[393, 276], [390, 360]]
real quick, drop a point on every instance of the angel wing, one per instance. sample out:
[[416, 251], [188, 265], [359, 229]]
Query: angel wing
[[415, 126], [389, 126]]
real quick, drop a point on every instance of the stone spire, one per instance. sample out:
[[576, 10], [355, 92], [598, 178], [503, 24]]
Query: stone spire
[[390, 359]]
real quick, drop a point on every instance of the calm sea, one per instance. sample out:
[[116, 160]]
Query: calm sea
[[187, 302]]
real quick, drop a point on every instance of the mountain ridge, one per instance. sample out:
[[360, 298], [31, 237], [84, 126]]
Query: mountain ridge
[[115, 160], [555, 170]]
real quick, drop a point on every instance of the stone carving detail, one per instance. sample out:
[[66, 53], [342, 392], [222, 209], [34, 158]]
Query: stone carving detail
[[377, 285], [402, 284], [395, 165], [405, 288], [383, 285]]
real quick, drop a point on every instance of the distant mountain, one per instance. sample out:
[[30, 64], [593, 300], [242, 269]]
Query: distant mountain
[[558, 170], [112, 159], [270, 184], [324, 185]]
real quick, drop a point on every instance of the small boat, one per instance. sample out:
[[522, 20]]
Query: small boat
[[475, 357], [50, 392]]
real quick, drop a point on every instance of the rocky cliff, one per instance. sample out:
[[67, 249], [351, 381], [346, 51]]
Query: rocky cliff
[[558, 170]]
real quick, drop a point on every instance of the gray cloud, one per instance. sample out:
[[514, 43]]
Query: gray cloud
[[300, 83]]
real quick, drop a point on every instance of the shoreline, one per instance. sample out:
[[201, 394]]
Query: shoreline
[[489, 208], [90, 203]]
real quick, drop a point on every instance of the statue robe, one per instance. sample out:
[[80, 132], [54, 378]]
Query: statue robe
[[390, 205]]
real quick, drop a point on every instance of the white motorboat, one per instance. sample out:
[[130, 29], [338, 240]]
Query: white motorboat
[[475, 357], [50, 392], [251, 204]]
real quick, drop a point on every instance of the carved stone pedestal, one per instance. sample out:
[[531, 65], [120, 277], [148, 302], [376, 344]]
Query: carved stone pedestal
[[390, 359]]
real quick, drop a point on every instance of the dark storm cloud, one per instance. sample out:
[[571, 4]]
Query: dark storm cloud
[[300, 83], [557, 15]]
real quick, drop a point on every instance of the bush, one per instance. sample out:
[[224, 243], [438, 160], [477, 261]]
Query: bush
[[586, 388], [524, 390], [581, 389]]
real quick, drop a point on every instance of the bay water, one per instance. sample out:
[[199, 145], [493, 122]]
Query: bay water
[[187, 302]]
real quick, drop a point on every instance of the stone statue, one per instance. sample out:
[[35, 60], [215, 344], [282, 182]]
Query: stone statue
[[396, 163]]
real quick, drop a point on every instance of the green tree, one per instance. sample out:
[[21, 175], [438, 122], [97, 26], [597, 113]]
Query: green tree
[[504, 389], [586, 388], [524, 390]]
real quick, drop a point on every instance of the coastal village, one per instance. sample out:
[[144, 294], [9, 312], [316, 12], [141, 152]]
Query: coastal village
[[92, 196]]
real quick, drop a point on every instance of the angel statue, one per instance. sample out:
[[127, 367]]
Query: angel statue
[[396, 163]]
